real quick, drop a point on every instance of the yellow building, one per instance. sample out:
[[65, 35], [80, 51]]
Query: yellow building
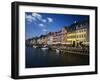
[[82, 36], [71, 37], [64, 35], [77, 35], [44, 40]]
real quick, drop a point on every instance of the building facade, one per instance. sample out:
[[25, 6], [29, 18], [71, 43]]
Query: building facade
[[78, 34], [64, 35], [82, 35], [74, 35]]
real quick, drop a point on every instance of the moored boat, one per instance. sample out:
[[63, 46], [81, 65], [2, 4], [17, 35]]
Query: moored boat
[[35, 46], [45, 47]]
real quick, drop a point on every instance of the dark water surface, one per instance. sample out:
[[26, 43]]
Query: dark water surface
[[36, 57]]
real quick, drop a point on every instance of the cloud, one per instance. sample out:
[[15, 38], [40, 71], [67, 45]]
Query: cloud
[[44, 30], [38, 19], [37, 16], [50, 19], [29, 18], [42, 25], [44, 20], [75, 21], [34, 17]]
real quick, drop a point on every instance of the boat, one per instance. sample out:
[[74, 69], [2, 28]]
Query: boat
[[57, 51], [45, 47], [35, 46]]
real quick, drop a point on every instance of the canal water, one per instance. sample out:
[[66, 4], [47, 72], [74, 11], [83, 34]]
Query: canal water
[[36, 57]]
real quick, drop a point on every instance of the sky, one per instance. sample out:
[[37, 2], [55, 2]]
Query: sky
[[37, 24]]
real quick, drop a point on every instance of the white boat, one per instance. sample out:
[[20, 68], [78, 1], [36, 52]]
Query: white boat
[[45, 47], [34, 46], [57, 51]]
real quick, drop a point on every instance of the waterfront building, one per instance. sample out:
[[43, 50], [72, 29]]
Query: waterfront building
[[44, 39], [50, 38], [82, 34], [39, 40], [57, 37], [78, 33], [71, 35], [64, 35]]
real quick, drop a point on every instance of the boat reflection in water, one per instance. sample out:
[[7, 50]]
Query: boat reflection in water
[[44, 57]]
